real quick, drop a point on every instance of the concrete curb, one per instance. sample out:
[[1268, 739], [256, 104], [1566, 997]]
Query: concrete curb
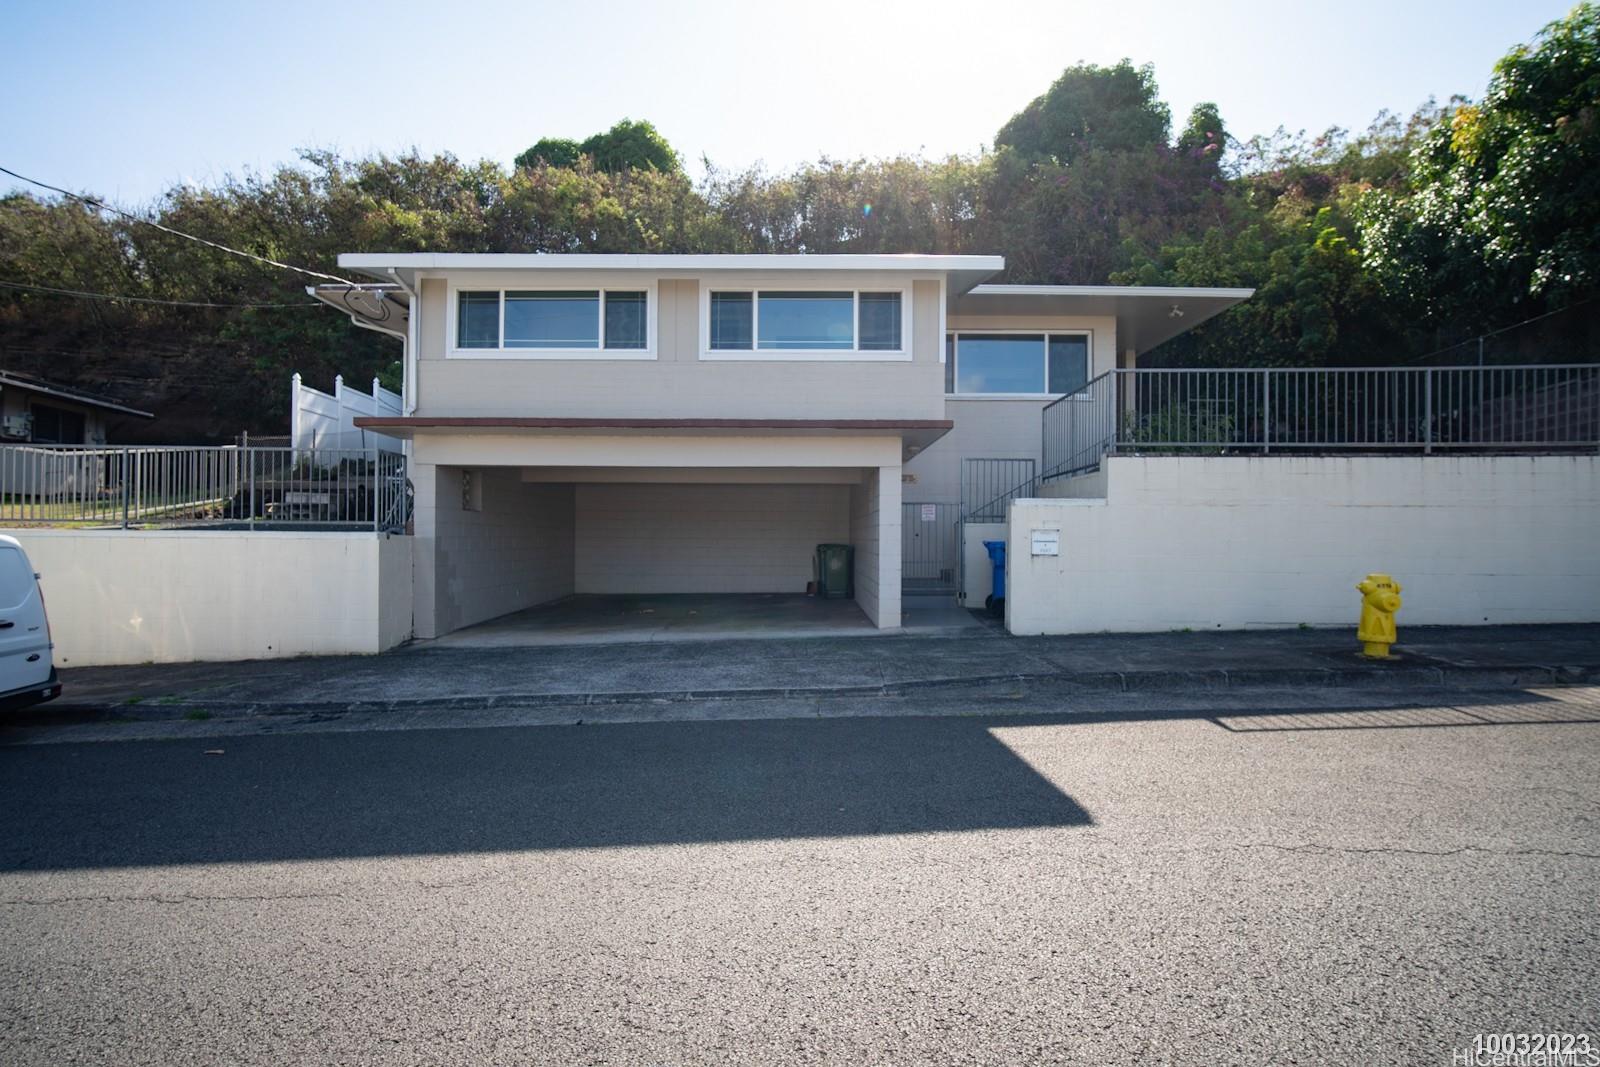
[[1408, 676]]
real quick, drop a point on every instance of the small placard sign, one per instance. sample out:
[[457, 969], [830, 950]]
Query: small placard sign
[[930, 513], [1047, 542]]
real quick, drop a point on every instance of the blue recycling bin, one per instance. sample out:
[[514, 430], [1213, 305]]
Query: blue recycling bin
[[996, 601]]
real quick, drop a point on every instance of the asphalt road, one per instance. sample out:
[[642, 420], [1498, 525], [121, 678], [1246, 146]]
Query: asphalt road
[[1304, 887]]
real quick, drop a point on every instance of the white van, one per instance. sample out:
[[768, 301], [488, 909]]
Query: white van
[[27, 669]]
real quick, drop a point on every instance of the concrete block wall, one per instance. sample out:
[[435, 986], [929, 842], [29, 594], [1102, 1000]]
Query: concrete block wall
[[513, 553], [173, 596], [681, 538], [875, 532], [1232, 542]]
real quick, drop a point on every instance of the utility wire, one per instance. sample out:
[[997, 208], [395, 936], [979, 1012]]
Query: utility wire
[[150, 299], [103, 206], [1507, 329]]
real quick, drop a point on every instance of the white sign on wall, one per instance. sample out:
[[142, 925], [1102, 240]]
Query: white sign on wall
[[930, 513], [1047, 542]]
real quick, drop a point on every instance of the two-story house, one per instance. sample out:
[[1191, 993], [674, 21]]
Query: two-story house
[[627, 424]]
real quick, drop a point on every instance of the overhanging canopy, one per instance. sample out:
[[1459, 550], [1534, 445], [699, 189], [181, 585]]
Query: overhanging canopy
[[1146, 315]]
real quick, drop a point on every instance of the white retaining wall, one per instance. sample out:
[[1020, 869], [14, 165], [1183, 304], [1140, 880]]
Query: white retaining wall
[[171, 596], [1232, 542]]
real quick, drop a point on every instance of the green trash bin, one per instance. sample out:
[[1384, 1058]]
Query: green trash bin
[[836, 571]]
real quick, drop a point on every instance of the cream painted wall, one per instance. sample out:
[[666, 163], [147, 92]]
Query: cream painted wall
[[984, 429], [1208, 542], [170, 596], [655, 538], [678, 383], [656, 450]]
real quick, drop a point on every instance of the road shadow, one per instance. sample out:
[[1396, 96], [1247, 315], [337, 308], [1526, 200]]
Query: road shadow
[[399, 793]]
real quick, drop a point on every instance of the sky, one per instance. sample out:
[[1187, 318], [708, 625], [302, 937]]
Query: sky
[[126, 100]]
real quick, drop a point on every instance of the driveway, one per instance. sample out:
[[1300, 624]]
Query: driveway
[[1242, 886]]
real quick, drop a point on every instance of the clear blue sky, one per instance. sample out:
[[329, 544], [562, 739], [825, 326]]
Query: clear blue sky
[[128, 99]]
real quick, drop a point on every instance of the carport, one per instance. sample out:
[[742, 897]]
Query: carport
[[558, 527]]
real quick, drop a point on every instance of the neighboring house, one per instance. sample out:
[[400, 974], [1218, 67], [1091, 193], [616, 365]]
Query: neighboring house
[[684, 423], [36, 411]]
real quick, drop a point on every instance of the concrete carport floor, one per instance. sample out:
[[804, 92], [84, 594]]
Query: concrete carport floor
[[625, 619]]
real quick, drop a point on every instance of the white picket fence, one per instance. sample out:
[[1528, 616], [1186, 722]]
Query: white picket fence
[[326, 420]]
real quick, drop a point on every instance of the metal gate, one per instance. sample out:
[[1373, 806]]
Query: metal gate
[[930, 548]]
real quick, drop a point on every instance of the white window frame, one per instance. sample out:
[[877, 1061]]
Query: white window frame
[[856, 354], [1046, 332], [453, 311]]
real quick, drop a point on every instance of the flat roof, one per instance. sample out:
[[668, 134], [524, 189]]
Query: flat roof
[[964, 271], [1147, 315]]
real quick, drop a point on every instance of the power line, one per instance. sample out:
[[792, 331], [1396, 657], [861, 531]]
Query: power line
[[103, 206], [1506, 329], [149, 299]]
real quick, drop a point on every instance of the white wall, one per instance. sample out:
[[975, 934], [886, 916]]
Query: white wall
[[170, 596], [1205, 542], [663, 538]]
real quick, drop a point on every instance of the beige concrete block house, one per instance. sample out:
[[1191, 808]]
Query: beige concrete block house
[[649, 424]]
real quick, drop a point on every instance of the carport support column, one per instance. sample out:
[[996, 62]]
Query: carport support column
[[889, 576], [875, 531], [425, 549]]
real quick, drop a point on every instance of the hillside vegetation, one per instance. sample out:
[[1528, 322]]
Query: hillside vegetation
[[1377, 247]]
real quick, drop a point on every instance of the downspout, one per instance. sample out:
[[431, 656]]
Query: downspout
[[408, 381]]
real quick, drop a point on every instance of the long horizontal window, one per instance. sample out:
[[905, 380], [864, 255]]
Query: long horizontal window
[[1028, 364], [553, 319], [776, 320]]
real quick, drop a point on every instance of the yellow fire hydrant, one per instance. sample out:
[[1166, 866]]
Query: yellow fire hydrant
[[1380, 599]]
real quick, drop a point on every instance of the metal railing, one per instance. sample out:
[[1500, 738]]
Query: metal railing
[[989, 485], [1532, 408], [251, 487]]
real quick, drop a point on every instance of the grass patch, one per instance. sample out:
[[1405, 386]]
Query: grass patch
[[197, 715]]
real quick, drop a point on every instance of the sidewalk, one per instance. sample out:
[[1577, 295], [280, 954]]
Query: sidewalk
[[428, 676]]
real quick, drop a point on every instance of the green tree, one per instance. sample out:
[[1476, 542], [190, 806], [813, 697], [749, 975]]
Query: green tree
[[1090, 107], [1204, 139], [630, 145], [551, 152], [1500, 214]]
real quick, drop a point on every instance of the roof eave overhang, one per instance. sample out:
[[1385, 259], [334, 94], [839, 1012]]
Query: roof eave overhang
[[73, 398], [1146, 316], [962, 272], [385, 307], [915, 434]]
